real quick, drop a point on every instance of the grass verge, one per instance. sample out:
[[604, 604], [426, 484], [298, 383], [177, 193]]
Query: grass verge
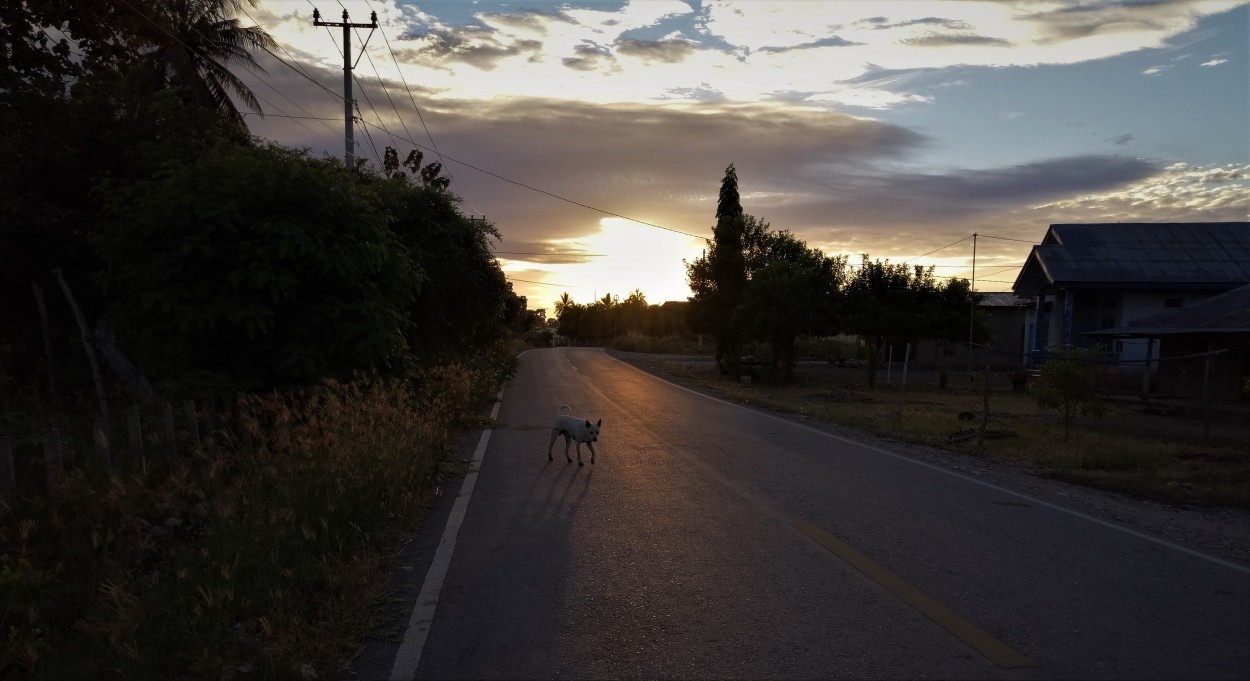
[[1121, 452]]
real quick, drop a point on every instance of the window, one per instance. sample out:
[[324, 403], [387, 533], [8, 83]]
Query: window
[[1173, 302]]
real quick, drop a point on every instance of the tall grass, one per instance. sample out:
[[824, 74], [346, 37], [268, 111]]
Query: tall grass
[[255, 552]]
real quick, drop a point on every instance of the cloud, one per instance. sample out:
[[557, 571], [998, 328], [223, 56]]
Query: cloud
[[590, 57], [527, 19], [1106, 18], [667, 51], [474, 47], [882, 23], [1214, 62], [1177, 193], [832, 41], [952, 39]]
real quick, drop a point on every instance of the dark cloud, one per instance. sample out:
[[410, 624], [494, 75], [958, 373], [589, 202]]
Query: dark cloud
[[832, 41], [954, 39], [590, 57], [475, 47], [882, 23], [830, 178], [1083, 20], [667, 51], [1121, 140], [544, 253]]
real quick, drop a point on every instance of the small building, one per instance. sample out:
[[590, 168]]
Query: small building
[[1005, 316], [1086, 278]]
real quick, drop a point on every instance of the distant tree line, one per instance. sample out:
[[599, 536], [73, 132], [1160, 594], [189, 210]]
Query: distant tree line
[[609, 317], [754, 283], [195, 251]]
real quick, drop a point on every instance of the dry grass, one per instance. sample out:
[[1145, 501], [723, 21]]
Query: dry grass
[[1123, 451], [256, 555]]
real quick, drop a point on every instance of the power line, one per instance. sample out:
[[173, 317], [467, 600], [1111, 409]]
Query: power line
[[400, 71], [304, 118], [1004, 238], [568, 253], [554, 196], [937, 249], [543, 283], [372, 108], [369, 137]]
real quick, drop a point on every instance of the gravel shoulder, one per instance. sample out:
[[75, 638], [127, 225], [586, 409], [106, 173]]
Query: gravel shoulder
[[1220, 532]]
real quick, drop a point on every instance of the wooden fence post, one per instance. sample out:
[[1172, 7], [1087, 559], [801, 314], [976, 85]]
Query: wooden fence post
[[52, 461], [134, 431], [8, 478], [101, 436], [193, 419], [168, 423]]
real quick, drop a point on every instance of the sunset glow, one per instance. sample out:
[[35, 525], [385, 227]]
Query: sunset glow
[[895, 129]]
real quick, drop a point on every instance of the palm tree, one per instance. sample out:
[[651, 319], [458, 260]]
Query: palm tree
[[193, 47], [564, 303]]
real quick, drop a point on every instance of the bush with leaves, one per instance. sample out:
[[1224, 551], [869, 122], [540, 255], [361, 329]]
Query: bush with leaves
[[257, 263], [1068, 384]]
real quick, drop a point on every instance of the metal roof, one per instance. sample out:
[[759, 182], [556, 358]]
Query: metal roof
[[1139, 255], [1003, 299], [1226, 313]]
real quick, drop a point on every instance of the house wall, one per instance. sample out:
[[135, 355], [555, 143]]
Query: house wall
[[1075, 311]]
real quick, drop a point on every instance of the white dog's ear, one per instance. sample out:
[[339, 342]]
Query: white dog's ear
[[588, 424], [600, 423]]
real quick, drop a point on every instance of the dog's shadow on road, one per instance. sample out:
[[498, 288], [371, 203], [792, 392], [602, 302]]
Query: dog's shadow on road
[[564, 493]]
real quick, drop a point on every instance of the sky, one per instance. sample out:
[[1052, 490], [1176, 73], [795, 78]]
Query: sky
[[594, 135]]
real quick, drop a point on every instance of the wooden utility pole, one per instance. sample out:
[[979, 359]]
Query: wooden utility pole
[[348, 102]]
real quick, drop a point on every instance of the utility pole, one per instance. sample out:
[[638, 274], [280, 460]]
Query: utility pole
[[348, 102], [972, 312]]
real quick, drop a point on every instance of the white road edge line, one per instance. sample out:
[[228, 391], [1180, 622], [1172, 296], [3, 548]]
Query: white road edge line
[[947, 471], [409, 654]]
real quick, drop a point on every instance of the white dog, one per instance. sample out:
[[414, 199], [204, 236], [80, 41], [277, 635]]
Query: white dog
[[576, 430]]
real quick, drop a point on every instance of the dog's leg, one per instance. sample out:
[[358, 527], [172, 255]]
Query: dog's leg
[[555, 433], [579, 453], [567, 439], [592, 452]]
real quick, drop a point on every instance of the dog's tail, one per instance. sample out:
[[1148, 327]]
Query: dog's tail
[[564, 408]]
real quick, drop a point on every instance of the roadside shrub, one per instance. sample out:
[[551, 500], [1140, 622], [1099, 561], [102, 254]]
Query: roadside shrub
[[248, 552], [1067, 384]]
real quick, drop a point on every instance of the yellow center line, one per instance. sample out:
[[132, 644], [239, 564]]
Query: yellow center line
[[994, 650]]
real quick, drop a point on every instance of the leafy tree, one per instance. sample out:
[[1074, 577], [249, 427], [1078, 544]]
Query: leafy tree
[[882, 302], [632, 313], [259, 264], [792, 289], [718, 280], [465, 301], [1067, 384], [950, 316]]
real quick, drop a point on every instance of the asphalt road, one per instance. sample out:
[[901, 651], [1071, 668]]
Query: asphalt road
[[714, 541]]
